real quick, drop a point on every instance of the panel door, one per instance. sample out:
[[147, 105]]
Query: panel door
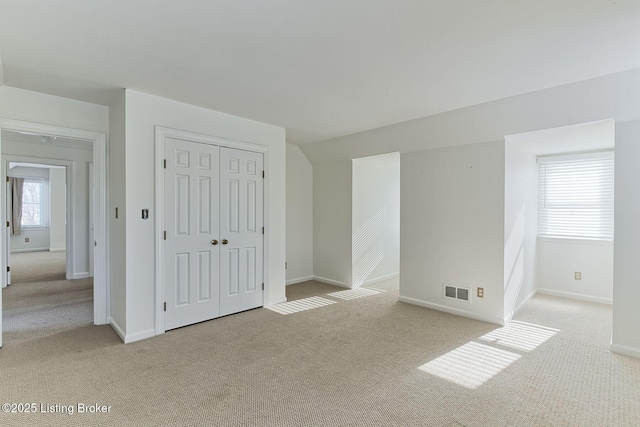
[[192, 254], [241, 227]]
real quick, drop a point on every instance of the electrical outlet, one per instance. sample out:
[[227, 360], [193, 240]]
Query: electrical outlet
[[577, 275], [480, 293], [26, 239]]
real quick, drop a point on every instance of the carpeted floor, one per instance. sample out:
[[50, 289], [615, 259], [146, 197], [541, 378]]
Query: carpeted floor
[[39, 302], [39, 266], [35, 310], [366, 361]]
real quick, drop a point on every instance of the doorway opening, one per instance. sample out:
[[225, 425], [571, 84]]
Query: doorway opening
[[37, 214], [67, 207], [375, 219]]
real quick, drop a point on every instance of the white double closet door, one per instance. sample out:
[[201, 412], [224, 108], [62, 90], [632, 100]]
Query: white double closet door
[[214, 231]]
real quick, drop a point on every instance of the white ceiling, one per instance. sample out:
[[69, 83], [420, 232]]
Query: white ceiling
[[320, 68], [594, 136]]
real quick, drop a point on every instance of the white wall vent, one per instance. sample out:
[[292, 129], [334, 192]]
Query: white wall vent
[[462, 294]]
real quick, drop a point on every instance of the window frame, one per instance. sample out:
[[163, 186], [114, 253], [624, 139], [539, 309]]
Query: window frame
[[606, 210], [44, 204]]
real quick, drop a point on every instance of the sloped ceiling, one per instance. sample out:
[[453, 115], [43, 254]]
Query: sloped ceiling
[[320, 69]]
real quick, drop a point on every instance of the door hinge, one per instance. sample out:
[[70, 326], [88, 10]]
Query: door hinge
[[7, 178], [8, 224], [262, 230], [165, 235], [165, 163], [263, 174], [263, 286], [8, 269], [165, 306]]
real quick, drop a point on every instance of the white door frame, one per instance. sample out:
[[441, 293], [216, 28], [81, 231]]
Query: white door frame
[[101, 254], [161, 134], [10, 158]]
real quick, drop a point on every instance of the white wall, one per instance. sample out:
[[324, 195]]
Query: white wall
[[559, 259], [375, 221], [57, 218], [34, 107], [452, 227], [38, 238], [332, 222], [520, 225], [142, 113], [54, 236], [626, 288], [614, 96], [299, 216], [117, 226]]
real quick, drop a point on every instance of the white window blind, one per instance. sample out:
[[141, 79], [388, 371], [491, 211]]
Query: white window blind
[[576, 196]]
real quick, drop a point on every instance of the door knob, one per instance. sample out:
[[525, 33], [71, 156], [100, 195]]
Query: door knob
[[225, 241], [214, 242]]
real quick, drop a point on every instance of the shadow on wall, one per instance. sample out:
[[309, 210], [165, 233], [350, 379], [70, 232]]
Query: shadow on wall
[[367, 245], [514, 262]]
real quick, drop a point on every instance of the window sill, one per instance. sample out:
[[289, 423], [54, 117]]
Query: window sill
[[32, 228], [574, 240]]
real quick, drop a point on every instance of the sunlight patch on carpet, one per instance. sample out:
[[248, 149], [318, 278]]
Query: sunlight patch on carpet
[[350, 294], [520, 335], [297, 306], [471, 364]]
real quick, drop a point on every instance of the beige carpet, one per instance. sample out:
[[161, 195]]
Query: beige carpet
[[39, 266], [39, 302], [35, 310], [358, 362]]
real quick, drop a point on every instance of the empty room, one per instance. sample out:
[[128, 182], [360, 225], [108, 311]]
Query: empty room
[[354, 213]]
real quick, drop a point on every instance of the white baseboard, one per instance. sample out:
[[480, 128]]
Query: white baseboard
[[580, 297], [82, 275], [129, 338], [299, 280], [451, 310], [117, 328], [381, 278], [331, 282], [624, 350], [57, 249], [276, 301], [29, 250]]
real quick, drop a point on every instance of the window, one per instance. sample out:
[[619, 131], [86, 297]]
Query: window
[[34, 207], [576, 196]]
